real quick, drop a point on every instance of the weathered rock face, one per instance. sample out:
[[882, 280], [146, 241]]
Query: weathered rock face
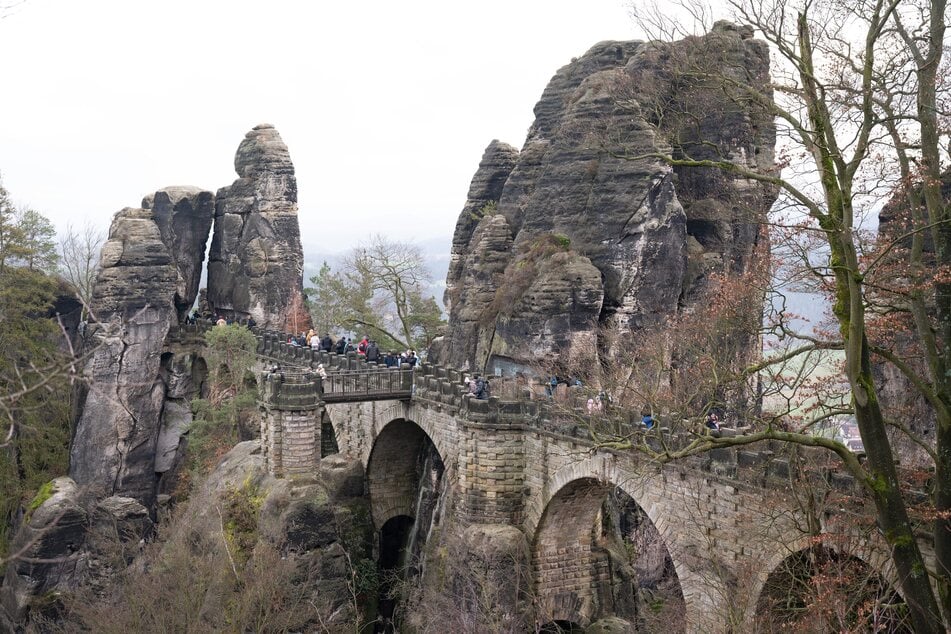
[[484, 192], [184, 216], [50, 541], [636, 237], [897, 393], [113, 450], [256, 262], [319, 532]]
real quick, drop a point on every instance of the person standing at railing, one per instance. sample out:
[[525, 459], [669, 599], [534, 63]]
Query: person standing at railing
[[321, 377], [314, 343], [372, 352]]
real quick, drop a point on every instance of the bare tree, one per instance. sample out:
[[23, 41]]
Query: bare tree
[[381, 290], [79, 249], [859, 100], [9, 7]]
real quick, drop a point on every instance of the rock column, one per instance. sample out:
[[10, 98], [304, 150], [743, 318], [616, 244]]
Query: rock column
[[256, 263]]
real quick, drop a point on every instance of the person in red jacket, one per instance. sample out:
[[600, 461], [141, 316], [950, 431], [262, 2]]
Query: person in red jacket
[[362, 346]]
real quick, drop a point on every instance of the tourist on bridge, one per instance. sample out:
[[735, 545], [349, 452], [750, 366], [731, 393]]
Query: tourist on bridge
[[326, 343], [314, 343], [550, 386], [481, 387], [362, 346], [341, 347], [372, 352]]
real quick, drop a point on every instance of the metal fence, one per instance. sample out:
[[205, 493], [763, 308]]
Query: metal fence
[[367, 385]]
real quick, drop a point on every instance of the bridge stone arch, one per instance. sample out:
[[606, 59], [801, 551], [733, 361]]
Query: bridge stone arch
[[869, 548], [357, 426], [392, 469], [570, 576]]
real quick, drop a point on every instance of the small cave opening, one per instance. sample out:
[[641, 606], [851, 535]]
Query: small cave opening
[[706, 232], [394, 537]]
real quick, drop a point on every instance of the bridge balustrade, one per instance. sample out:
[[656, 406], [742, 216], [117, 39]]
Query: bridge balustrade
[[352, 386]]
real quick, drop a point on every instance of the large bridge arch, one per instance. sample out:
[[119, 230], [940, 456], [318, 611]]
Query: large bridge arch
[[829, 583], [401, 454], [356, 427], [869, 548], [572, 575]]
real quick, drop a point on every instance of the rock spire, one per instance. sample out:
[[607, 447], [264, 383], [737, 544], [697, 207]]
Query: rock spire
[[256, 261], [570, 235]]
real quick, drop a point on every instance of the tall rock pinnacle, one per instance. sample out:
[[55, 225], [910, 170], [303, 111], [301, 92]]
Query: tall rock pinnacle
[[584, 231], [112, 452], [256, 262]]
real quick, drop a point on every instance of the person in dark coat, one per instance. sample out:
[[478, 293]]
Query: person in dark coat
[[373, 352]]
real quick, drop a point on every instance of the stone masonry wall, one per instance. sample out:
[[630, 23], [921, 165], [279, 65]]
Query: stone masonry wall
[[728, 517]]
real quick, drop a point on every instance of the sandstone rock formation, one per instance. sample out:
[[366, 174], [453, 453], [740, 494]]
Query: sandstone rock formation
[[901, 398], [574, 233], [256, 262], [50, 541], [113, 450], [184, 216], [141, 376]]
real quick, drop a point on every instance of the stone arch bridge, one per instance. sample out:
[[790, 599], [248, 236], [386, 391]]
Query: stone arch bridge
[[728, 517]]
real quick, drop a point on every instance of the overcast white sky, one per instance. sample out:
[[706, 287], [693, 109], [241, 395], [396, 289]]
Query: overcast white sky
[[386, 106]]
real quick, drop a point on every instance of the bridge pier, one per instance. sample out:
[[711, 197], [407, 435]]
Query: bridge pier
[[491, 465], [290, 424]]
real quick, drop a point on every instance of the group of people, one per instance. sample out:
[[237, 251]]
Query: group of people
[[554, 381], [366, 348], [477, 385], [310, 339], [220, 320]]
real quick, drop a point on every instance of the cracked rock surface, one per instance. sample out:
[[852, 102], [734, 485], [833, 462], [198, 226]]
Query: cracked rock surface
[[598, 231], [113, 450], [184, 216], [256, 263]]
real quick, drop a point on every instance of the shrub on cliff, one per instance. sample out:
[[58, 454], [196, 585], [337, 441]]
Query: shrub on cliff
[[222, 417], [34, 375]]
